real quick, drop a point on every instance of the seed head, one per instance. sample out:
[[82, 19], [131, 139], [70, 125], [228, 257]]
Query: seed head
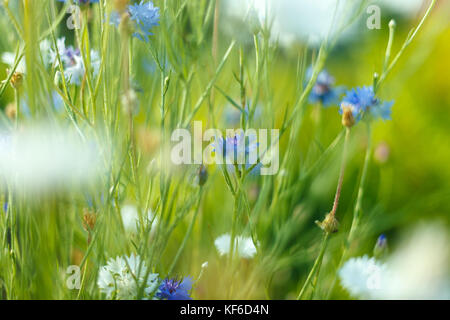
[[17, 80], [329, 224], [89, 220]]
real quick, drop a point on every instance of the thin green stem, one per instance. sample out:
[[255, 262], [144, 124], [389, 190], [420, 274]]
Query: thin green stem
[[407, 42], [357, 208], [341, 173], [188, 234], [17, 99], [316, 266]]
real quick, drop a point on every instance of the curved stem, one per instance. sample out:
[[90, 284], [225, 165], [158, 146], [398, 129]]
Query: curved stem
[[341, 173], [318, 262], [357, 208]]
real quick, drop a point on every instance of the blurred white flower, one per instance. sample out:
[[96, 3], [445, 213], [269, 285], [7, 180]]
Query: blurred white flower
[[402, 7], [130, 218], [8, 58], [306, 20], [42, 158], [122, 277], [418, 269], [244, 246], [363, 277]]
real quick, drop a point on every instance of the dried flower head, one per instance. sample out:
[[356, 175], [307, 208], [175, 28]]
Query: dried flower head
[[89, 220], [329, 224], [16, 80]]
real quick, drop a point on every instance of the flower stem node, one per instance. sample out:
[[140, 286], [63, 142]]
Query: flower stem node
[[347, 115], [329, 224]]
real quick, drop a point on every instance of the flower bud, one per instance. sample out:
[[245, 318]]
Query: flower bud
[[329, 224], [166, 84], [347, 116], [89, 220], [202, 175], [17, 80], [392, 24], [381, 246]]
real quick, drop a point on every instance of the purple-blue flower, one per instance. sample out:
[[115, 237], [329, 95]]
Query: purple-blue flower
[[381, 246], [323, 90], [172, 289], [362, 100], [144, 15], [238, 149]]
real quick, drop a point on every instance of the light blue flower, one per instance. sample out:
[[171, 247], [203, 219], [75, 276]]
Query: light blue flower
[[323, 90], [73, 65], [237, 151], [144, 15], [362, 100]]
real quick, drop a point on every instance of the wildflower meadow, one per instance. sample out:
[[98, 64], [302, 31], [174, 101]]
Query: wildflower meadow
[[224, 150]]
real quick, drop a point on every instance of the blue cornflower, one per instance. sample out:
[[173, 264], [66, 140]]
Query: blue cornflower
[[5, 207], [73, 65], [323, 90], [238, 150], [362, 99], [172, 289], [144, 15]]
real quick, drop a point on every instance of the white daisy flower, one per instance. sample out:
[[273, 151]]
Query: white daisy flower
[[122, 277], [244, 246]]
